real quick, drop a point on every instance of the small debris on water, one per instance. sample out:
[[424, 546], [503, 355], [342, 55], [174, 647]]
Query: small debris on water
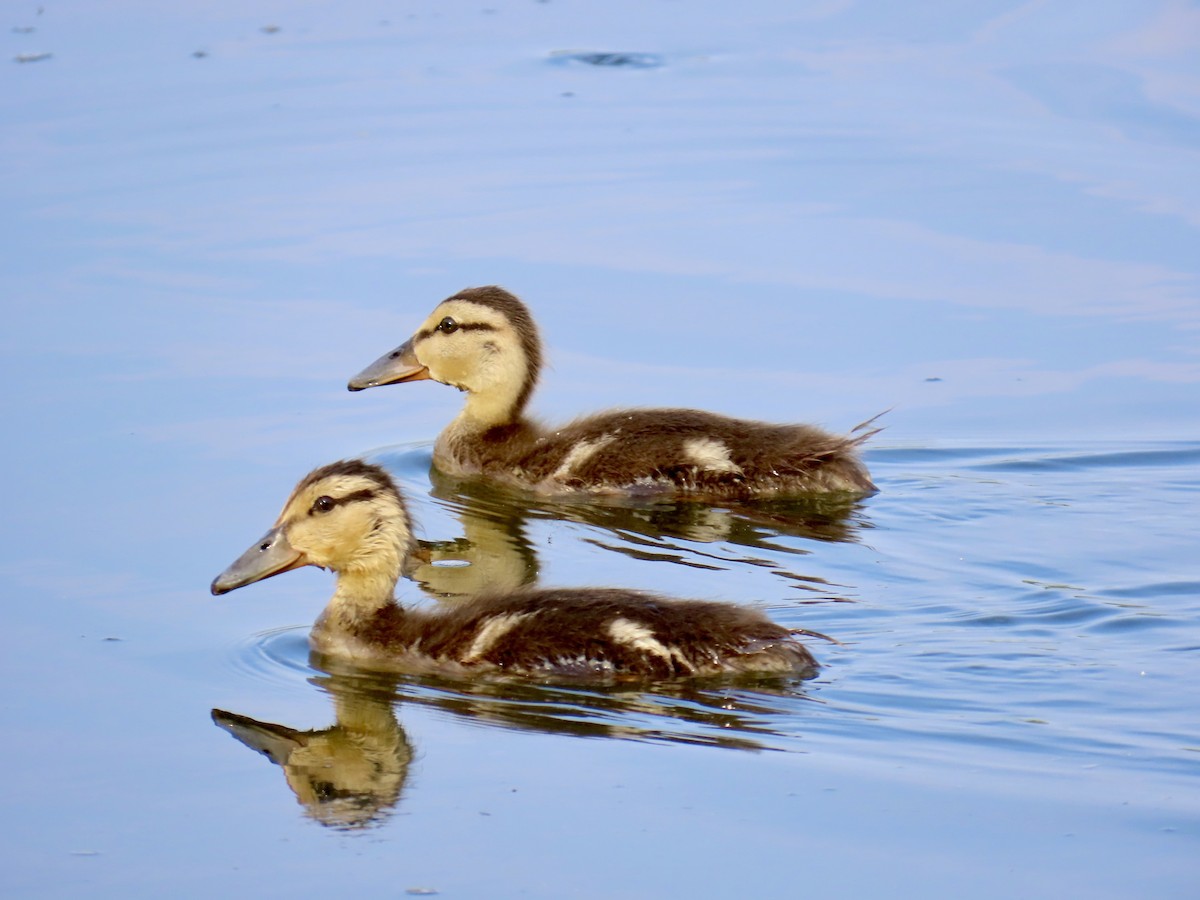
[[31, 57], [934, 378], [608, 59], [270, 29], [421, 891]]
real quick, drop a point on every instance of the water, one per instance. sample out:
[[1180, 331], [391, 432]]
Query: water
[[981, 217]]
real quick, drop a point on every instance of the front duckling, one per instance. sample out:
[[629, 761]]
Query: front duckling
[[349, 517], [484, 342]]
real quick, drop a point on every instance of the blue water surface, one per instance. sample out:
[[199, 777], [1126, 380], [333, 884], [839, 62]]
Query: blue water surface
[[981, 217]]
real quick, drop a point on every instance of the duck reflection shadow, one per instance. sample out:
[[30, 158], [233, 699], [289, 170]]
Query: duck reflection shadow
[[351, 775], [495, 552]]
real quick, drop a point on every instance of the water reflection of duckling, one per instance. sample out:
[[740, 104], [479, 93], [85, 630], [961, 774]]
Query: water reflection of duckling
[[483, 341], [758, 524], [350, 517], [495, 551], [348, 775], [493, 555]]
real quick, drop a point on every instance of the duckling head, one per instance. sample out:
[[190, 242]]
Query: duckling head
[[482, 341], [347, 516]]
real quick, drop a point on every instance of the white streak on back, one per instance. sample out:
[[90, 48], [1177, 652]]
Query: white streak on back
[[491, 632], [581, 453], [640, 637], [711, 454]]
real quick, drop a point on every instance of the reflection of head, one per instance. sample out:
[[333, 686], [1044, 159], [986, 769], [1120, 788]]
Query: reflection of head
[[347, 776], [493, 555]]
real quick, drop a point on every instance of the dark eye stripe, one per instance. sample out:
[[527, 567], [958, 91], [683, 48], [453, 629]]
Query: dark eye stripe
[[364, 494], [462, 326]]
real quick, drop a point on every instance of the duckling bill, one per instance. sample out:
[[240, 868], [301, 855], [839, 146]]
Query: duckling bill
[[350, 517], [484, 342]]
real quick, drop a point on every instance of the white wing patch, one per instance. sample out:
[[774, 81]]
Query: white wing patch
[[581, 453], [491, 632], [711, 454], [640, 637]]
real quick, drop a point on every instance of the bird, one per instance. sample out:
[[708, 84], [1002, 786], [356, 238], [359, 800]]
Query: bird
[[350, 517], [483, 341]]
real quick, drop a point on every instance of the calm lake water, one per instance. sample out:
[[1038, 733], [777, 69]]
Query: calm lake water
[[982, 217]]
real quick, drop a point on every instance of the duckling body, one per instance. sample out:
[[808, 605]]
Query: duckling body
[[349, 517], [595, 633], [484, 342], [635, 451]]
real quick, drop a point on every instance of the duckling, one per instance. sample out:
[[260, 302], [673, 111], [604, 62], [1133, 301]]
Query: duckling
[[483, 341], [350, 517]]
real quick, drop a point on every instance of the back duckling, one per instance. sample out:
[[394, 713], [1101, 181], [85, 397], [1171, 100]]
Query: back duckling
[[350, 517], [483, 341]]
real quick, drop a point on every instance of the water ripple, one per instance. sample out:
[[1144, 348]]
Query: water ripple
[[277, 656], [1119, 459]]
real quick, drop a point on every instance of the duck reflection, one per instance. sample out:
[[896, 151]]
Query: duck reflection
[[493, 555], [495, 552], [352, 774], [734, 711], [736, 718], [349, 775], [835, 517]]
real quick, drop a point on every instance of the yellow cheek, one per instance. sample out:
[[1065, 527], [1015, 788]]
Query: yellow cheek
[[450, 368]]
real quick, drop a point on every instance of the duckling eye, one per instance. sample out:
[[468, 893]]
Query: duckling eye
[[447, 326], [323, 504]]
